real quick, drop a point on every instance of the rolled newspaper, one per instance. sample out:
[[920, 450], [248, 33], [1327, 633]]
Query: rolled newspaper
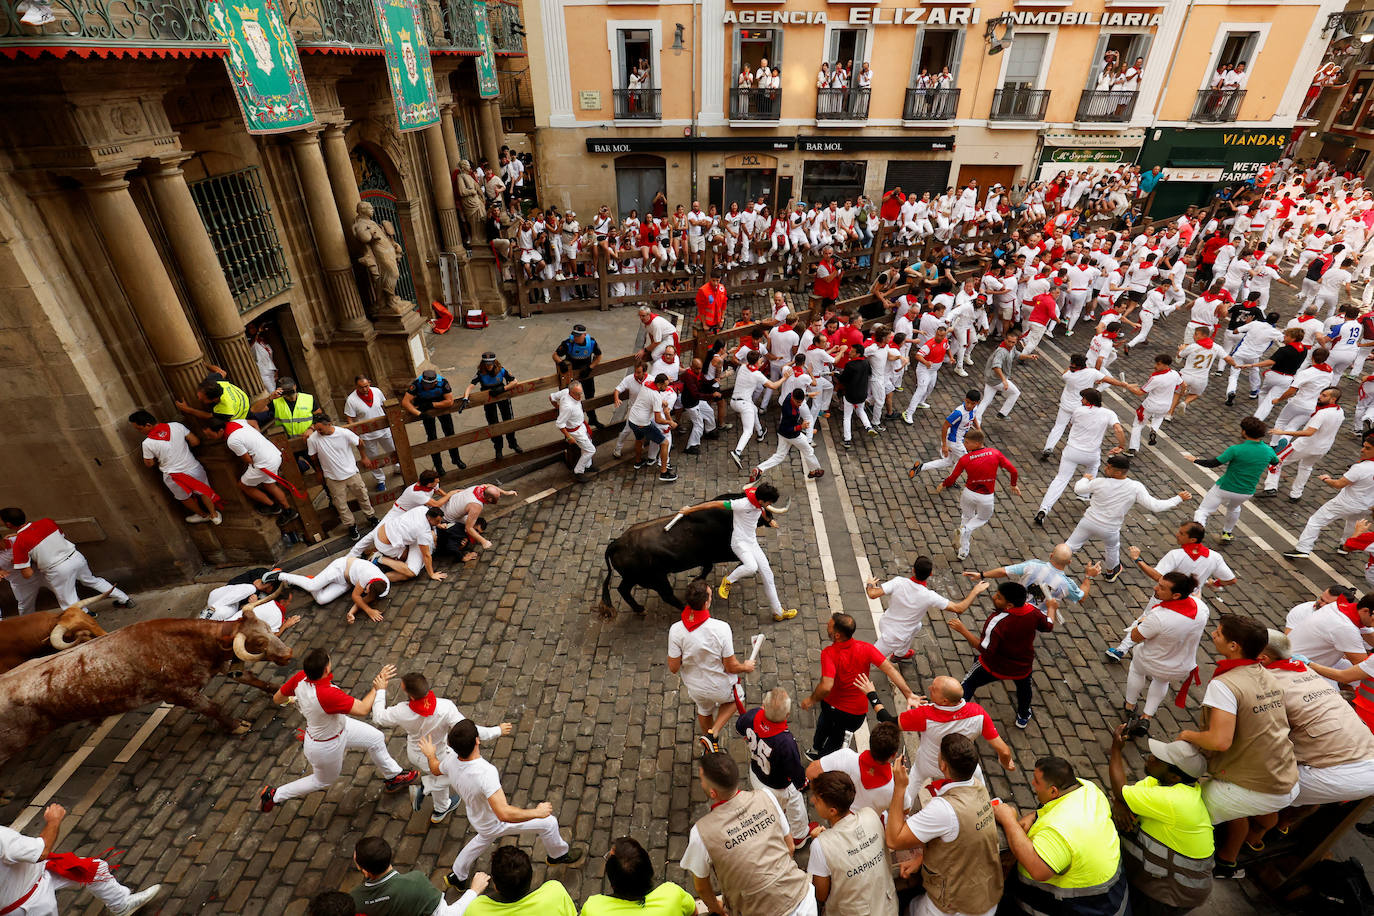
[[676, 518]]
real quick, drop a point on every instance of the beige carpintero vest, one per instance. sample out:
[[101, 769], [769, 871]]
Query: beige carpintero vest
[[1260, 757], [860, 871], [747, 842], [1324, 730], [965, 876]]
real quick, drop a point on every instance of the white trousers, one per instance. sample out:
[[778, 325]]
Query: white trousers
[[584, 444], [376, 448], [26, 590], [974, 511], [326, 759], [877, 396], [1152, 419], [330, 584], [849, 410], [1011, 393], [1234, 380], [546, 827], [1071, 463], [1035, 333], [1087, 530], [895, 633], [785, 445], [1305, 464], [703, 420], [63, 578], [925, 386], [104, 888], [1147, 322], [793, 805], [1216, 498], [748, 421], [1271, 386], [1136, 678], [1061, 423], [753, 561], [1343, 782], [825, 391], [1330, 512], [957, 450], [1074, 300]]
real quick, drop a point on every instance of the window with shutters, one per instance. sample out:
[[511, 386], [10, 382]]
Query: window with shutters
[[239, 221]]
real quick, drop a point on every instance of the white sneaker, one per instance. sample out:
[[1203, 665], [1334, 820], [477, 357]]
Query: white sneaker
[[38, 15], [196, 520], [961, 373], [136, 901], [218, 519], [615, 454]]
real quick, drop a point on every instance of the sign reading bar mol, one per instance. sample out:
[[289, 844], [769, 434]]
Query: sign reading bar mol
[[937, 16]]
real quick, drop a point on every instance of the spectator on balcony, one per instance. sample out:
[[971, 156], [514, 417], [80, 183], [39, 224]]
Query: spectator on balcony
[[774, 85], [823, 77], [743, 83], [945, 80], [1106, 80], [1130, 77], [865, 79]]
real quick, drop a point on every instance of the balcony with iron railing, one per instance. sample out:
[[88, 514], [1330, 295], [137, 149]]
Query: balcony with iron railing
[[930, 104], [638, 104], [450, 25], [755, 104], [842, 104], [1106, 107], [1217, 105], [1019, 104]]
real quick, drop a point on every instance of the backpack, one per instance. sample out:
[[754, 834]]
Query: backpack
[[1338, 886]]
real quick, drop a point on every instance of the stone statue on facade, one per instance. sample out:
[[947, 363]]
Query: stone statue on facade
[[470, 197], [382, 254]]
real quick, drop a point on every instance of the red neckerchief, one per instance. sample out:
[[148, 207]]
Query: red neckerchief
[[423, 489], [1196, 551], [1185, 606], [766, 728], [920, 582], [479, 492], [424, 706], [715, 805], [1226, 664], [1006, 345], [873, 774], [1303, 318], [1287, 664], [1160, 372], [753, 499], [691, 619], [365, 396], [1349, 609], [935, 785], [1322, 367], [1022, 610], [1324, 407], [1299, 346], [798, 371], [232, 427], [1205, 343]]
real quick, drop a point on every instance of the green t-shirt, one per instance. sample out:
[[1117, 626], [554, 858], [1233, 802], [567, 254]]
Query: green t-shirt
[[665, 900], [549, 899], [1245, 463], [1174, 815], [396, 894]]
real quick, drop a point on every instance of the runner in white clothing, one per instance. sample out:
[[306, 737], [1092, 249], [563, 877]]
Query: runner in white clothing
[[744, 541], [1166, 637], [361, 578], [701, 650], [1354, 496], [1195, 362], [1110, 498], [1158, 395], [1083, 452], [1078, 378], [909, 601], [1307, 445]]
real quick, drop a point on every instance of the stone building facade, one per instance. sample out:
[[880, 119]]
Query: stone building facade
[[142, 229]]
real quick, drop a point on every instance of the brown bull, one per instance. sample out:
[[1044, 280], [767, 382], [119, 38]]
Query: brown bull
[[156, 661], [45, 632]]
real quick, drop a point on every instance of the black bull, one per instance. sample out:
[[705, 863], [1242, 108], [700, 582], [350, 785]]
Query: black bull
[[645, 555]]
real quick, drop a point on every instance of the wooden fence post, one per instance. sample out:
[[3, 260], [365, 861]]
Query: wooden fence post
[[291, 473], [874, 268], [396, 416], [602, 292]]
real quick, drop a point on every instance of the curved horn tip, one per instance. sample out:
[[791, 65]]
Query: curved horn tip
[[58, 638], [241, 650]]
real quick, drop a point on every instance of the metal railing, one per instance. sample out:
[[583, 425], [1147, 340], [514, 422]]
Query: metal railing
[[638, 104], [1110, 105], [1217, 104], [457, 26], [99, 21], [755, 104], [505, 28], [930, 105], [335, 22], [1019, 104], [842, 104]]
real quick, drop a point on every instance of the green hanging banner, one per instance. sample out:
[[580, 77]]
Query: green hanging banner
[[487, 87], [407, 63], [263, 65]]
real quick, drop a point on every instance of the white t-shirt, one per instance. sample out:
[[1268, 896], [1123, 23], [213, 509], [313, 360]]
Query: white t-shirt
[[1310, 382], [1111, 499], [747, 381], [646, 403], [909, 601], [846, 760], [702, 651], [335, 452], [1325, 636], [1207, 566], [1171, 638], [1159, 390], [21, 866], [411, 497], [248, 441], [410, 527], [1360, 494], [570, 415], [1327, 423], [1088, 426], [355, 408], [475, 781], [174, 454], [697, 860], [1075, 381], [1197, 360], [937, 820]]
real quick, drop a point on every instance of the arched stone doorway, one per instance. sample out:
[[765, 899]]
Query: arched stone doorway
[[375, 187]]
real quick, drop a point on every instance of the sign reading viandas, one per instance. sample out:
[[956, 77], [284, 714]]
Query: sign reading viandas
[[263, 65], [407, 63]]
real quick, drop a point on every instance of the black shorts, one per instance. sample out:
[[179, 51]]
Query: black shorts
[[1135, 295]]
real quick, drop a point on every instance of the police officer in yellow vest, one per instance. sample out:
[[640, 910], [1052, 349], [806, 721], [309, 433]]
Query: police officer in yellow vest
[[293, 409], [216, 396], [1068, 853]]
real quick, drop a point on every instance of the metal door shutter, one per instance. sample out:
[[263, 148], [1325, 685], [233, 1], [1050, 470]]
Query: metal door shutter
[[917, 176]]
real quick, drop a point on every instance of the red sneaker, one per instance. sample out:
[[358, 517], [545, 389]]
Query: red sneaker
[[401, 780], [265, 799]]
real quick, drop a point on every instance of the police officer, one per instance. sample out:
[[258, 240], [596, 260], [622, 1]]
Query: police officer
[[292, 408], [431, 391], [492, 377], [580, 353]]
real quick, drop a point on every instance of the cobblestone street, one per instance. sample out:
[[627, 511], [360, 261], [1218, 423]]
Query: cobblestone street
[[601, 729]]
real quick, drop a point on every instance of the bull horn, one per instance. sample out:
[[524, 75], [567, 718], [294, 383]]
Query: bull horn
[[58, 638], [780, 510], [242, 652], [93, 599]]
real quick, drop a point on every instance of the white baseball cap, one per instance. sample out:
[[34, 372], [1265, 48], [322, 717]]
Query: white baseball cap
[[1180, 754]]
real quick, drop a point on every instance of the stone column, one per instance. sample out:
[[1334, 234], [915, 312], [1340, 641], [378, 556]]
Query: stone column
[[200, 269], [441, 183], [144, 278], [340, 169], [320, 204], [493, 138], [455, 153]]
